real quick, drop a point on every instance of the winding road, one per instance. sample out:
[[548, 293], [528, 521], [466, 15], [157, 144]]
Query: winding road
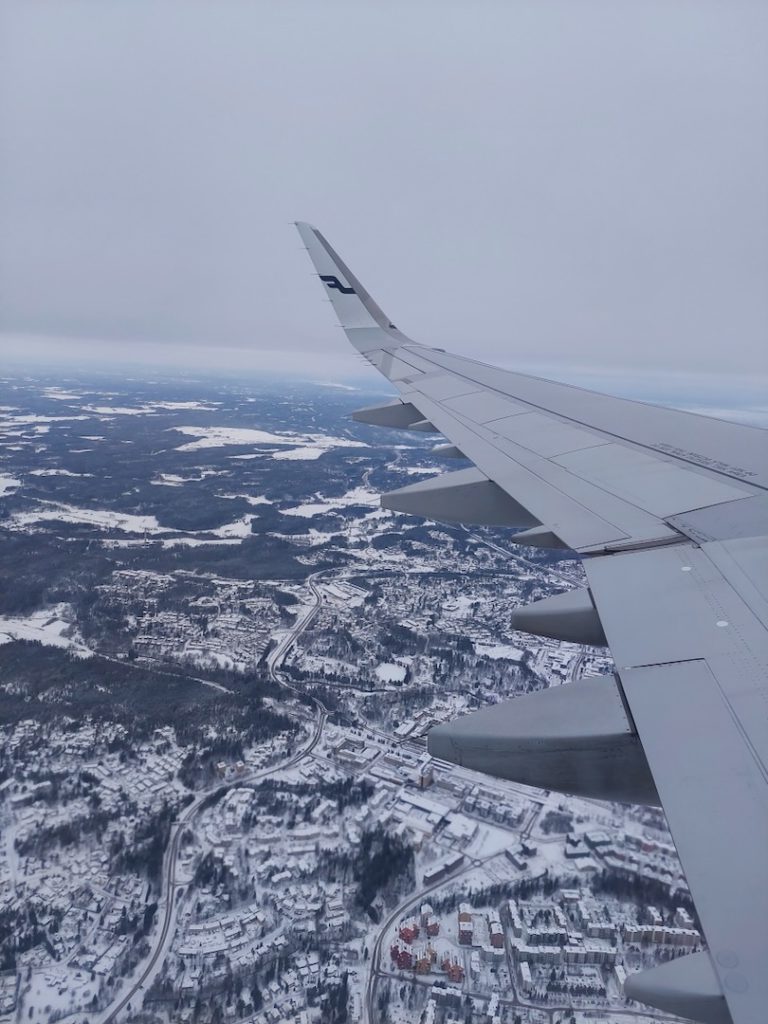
[[171, 888]]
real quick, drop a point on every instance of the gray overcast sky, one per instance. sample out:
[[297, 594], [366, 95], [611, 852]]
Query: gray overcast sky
[[562, 182]]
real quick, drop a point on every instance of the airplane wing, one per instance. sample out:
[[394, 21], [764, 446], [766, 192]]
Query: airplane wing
[[669, 512]]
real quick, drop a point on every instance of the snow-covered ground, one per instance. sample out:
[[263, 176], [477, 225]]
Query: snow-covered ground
[[241, 528], [300, 453], [56, 472], [62, 990], [8, 484], [389, 672], [203, 406], [118, 410], [125, 522], [9, 423], [60, 395], [499, 651], [182, 542], [148, 407], [174, 480], [252, 499], [356, 496], [303, 446], [50, 626], [102, 519]]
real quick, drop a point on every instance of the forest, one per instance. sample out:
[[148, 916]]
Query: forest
[[381, 864], [51, 685]]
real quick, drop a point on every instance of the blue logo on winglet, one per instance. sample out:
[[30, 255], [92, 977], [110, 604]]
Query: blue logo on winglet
[[333, 282]]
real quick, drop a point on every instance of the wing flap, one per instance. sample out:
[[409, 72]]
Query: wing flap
[[442, 386], [661, 488], [687, 986], [584, 515], [714, 796], [392, 414], [465, 496], [629, 489], [481, 407], [546, 436], [575, 739]]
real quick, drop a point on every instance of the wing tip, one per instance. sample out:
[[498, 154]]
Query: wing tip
[[307, 232]]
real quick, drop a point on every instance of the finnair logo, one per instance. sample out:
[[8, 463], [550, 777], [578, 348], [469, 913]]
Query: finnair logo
[[333, 282]]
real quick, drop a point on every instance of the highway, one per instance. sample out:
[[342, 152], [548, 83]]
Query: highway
[[171, 892]]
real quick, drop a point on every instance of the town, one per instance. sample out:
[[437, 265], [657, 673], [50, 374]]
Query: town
[[216, 800]]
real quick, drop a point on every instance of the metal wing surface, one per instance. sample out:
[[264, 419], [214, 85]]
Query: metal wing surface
[[669, 511]]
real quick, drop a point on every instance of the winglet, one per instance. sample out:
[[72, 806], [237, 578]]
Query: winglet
[[366, 324]]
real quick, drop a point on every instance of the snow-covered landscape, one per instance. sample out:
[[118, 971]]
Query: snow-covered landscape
[[219, 660]]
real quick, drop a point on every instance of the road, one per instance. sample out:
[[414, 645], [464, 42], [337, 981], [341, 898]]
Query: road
[[170, 895], [514, 556], [277, 655], [397, 914], [145, 660], [411, 902], [577, 665], [400, 911]]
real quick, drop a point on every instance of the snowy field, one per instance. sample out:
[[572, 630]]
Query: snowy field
[[301, 446], [8, 484], [355, 496], [101, 519], [389, 672], [50, 626]]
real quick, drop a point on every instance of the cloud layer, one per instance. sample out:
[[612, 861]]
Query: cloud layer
[[579, 182]]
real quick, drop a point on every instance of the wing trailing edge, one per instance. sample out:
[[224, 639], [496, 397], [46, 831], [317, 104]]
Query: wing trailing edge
[[576, 739], [464, 496], [688, 987]]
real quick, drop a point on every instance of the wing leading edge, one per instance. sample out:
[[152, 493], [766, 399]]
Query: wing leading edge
[[670, 513]]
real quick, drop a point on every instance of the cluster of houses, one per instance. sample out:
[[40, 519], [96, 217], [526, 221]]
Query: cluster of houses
[[229, 624]]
